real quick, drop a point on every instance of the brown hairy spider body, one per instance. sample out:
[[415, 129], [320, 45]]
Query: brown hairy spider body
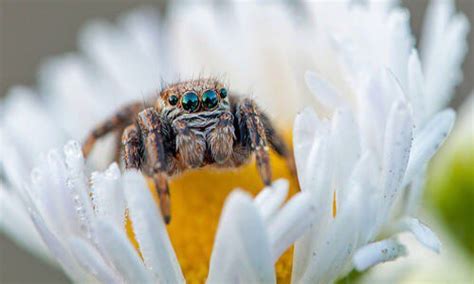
[[192, 124]]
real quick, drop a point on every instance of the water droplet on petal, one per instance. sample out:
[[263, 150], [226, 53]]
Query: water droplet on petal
[[113, 172], [54, 156], [73, 148], [36, 176]]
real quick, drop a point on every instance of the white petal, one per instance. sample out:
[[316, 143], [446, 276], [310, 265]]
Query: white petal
[[150, 230], [324, 92], [377, 252], [114, 244], [397, 144], [305, 128], [416, 91], [16, 223], [428, 141], [414, 192], [443, 48], [241, 251], [422, 233], [25, 118], [108, 197], [400, 43], [90, 259], [57, 248], [344, 129], [271, 198], [77, 185], [291, 222]]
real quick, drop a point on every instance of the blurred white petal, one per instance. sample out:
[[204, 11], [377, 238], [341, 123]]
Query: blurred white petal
[[290, 223], [323, 91], [271, 198], [16, 223], [428, 141], [422, 233], [416, 85], [92, 261], [443, 48], [378, 252], [397, 146]]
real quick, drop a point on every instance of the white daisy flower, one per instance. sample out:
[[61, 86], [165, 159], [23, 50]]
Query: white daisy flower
[[355, 157], [83, 226]]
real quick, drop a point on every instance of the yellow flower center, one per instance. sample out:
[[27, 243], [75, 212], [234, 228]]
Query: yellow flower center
[[197, 198]]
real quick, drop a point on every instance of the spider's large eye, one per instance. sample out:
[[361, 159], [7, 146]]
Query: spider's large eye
[[190, 101], [173, 100], [209, 99]]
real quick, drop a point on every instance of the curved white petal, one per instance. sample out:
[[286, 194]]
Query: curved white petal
[[115, 246], [428, 141], [422, 233], [92, 261], [416, 88], [108, 197], [377, 252], [241, 251], [16, 223], [271, 198], [397, 149], [443, 48], [290, 223], [150, 230], [323, 90]]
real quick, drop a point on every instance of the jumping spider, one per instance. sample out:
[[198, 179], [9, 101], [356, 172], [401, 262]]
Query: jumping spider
[[190, 125]]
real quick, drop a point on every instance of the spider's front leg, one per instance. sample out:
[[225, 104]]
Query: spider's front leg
[[253, 135], [149, 138]]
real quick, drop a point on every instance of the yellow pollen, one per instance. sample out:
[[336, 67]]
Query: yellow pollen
[[334, 205], [197, 198]]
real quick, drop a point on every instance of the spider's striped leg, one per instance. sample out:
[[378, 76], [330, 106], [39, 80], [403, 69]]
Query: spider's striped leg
[[252, 134], [120, 119], [155, 161], [277, 143]]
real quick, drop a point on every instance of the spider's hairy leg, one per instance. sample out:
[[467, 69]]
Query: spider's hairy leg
[[190, 144], [221, 138], [132, 145], [150, 126], [118, 144], [120, 119], [252, 134], [277, 143]]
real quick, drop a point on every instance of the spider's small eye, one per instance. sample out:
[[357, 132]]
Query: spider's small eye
[[223, 92], [190, 101], [173, 100], [209, 99]]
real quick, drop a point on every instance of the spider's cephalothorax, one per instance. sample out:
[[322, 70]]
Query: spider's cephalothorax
[[191, 124]]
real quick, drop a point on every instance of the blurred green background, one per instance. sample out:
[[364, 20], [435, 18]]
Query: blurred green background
[[32, 30]]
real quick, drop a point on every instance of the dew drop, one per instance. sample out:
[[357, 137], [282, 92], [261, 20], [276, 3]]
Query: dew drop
[[73, 148], [113, 172], [36, 176]]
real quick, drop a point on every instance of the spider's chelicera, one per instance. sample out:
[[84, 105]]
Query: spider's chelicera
[[192, 124]]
